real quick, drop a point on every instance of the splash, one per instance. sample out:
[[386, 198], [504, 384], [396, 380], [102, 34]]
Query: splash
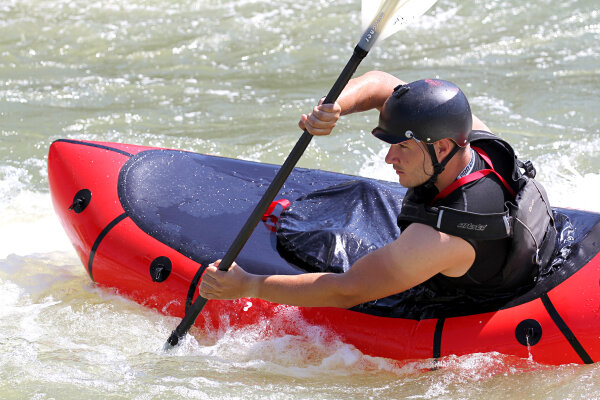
[[30, 226]]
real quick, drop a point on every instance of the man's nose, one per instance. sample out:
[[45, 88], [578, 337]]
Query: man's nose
[[392, 154]]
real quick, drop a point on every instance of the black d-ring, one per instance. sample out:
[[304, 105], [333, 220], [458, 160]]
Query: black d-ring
[[81, 200], [160, 269], [528, 332]]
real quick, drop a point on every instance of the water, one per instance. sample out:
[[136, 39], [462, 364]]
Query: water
[[231, 77]]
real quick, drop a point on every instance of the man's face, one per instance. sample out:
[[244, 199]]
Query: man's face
[[411, 162]]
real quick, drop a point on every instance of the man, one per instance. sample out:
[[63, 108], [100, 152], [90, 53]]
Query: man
[[429, 126]]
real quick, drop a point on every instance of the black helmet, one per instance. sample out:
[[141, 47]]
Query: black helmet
[[428, 110]]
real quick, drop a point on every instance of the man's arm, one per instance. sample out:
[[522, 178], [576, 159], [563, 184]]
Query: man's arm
[[367, 92], [418, 254], [479, 125]]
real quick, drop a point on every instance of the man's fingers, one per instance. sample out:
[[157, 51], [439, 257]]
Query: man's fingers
[[319, 131], [208, 284], [322, 120], [206, 290], [302, 122]]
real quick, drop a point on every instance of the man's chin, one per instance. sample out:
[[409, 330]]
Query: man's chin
[[409, 184], [405, 184]]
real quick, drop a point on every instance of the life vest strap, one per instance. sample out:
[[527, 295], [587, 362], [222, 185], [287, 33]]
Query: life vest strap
[[473, 176], [465, 224]]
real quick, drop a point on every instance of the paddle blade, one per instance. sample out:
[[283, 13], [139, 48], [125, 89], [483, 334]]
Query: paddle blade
[[399, 14]]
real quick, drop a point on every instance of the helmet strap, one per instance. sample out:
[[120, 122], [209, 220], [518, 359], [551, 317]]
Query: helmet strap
[[427, 191], [438, 167]]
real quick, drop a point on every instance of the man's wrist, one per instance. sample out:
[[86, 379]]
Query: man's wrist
[[254, 284]]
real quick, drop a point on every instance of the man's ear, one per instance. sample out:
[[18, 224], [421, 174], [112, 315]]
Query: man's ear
[[443, 147]]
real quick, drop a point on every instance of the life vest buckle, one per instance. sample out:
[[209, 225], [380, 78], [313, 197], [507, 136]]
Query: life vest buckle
[[507, 225], [528, 167]]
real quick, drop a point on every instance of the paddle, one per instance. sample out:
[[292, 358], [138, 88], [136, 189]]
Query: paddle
[[383, 19]]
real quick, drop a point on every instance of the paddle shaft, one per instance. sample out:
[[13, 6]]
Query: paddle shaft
[[286, 169]]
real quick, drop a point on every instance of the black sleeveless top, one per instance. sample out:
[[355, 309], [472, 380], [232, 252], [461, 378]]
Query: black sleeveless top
[[485, 195]]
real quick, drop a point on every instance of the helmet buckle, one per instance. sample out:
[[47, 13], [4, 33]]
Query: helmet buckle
[[400, 90]]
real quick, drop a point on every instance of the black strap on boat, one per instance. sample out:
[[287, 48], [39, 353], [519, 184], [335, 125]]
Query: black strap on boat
[[437, 338], [565, 330], [193, 285], [99, 239]]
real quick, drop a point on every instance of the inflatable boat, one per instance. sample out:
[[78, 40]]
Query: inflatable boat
[[147, 221]]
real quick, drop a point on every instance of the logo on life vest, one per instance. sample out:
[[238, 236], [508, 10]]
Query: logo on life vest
[[471, 227]]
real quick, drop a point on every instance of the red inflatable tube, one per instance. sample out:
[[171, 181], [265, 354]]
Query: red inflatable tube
[[559, 326]]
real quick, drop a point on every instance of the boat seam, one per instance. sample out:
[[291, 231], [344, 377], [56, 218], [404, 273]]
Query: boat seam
[[97, 145]]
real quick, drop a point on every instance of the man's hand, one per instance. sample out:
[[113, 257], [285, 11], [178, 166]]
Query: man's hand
[[230, 285], [322, 120]]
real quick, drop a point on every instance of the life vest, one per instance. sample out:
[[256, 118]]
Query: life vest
[[527, 220]]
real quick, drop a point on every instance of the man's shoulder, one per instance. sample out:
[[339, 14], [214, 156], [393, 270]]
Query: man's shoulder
[[479, 134], [480, 138]]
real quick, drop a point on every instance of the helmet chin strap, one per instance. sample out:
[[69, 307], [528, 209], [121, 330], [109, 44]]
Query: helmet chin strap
[[438, 167], [427, 191]]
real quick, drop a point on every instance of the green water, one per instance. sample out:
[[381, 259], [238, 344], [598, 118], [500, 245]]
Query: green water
[[231, 77]]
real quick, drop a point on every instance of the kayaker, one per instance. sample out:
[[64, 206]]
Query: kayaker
[[430, 128]]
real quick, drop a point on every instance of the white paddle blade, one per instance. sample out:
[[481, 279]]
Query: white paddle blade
[[400, 13]]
